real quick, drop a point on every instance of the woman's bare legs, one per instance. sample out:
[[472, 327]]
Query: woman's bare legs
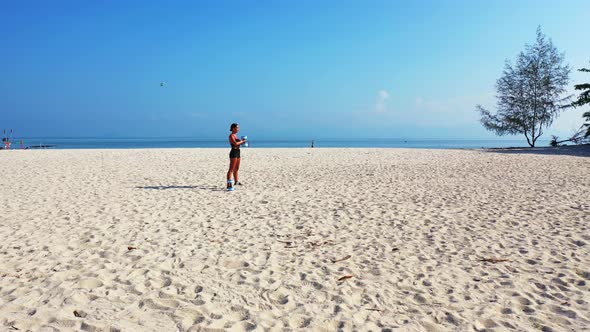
[[236, 169], [230, 172]]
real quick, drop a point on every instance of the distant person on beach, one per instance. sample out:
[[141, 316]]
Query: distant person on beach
[[234, 157]]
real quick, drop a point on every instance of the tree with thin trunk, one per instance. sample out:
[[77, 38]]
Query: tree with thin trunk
[[529, 93], [587, 124]]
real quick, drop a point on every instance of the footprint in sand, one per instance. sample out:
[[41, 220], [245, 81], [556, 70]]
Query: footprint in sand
[[564, 312], [244, 326], [238, 314], [161, 304], [90, 283], [299, 321], [275, 297], [231, 264]]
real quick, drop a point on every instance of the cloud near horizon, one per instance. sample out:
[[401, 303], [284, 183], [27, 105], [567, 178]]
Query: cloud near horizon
[[382, 97]]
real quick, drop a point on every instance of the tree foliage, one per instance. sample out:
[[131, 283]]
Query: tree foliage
[[583, 99], [529, 92]]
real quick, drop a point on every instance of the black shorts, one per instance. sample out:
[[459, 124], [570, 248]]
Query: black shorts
[[234, 153]]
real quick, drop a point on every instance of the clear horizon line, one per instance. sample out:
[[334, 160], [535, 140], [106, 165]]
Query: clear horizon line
[[275, 139]]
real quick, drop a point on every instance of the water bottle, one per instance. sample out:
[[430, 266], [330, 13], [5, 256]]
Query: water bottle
[[245, 138]]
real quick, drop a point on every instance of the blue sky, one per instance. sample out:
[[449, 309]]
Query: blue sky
[[291, 69]]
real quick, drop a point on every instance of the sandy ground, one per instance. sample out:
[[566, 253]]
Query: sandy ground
[[317, 239]]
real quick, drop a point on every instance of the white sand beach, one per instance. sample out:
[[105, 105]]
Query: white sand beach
[[316, 239]]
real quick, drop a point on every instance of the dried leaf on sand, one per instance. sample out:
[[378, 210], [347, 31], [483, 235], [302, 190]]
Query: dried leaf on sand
[[344, 278], [341, 259], [494, 260]]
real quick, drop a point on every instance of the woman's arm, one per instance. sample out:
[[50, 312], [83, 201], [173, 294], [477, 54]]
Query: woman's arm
[[234, 141]]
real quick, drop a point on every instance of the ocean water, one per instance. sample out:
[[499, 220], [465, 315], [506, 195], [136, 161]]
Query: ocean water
[[142, 143]]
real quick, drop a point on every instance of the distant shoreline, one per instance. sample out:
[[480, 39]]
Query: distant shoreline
[[114, 143]]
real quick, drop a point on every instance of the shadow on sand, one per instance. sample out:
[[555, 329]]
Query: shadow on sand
[[574, 150], [182, 187]]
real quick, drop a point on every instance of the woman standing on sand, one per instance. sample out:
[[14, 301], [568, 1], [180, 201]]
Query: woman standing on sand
[[234, 156]]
